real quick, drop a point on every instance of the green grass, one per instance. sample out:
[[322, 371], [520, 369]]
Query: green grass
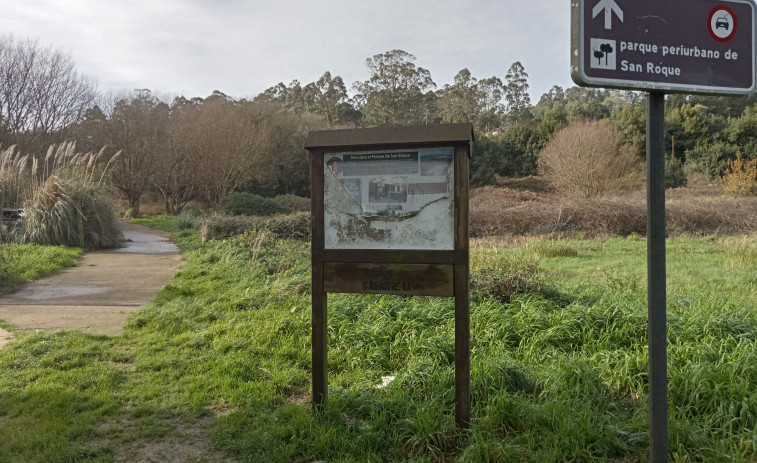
[[165, 222], [741, 253], [558, 372], [23, 263]]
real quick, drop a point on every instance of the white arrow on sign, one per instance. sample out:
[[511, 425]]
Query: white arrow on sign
[[609, 6]]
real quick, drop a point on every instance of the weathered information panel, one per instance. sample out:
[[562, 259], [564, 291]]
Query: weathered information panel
[[398, 199], [390, 216], [399, 279], [696, 46]]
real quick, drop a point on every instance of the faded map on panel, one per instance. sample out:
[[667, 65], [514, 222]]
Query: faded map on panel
[[399, 199]]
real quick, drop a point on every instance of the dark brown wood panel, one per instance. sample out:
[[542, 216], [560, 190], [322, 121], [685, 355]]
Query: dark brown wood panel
[[319, 326], [316, 200], [392, 256], [462, 346], [461, 199], [389, 278], [431, 135]]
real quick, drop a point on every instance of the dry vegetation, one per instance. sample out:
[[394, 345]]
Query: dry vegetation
[[501, 211], [740, 177], [64, 196], [589, 158]]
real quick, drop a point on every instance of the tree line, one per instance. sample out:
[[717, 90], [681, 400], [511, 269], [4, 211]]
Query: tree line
[[181, 149]]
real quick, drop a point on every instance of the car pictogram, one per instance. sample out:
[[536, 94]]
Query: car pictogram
[[722, 22]]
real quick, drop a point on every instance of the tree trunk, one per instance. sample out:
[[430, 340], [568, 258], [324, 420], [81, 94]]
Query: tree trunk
[[134, 203]]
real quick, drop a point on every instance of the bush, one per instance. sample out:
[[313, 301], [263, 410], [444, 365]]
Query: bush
[[216, 226], [189, 219], [711, 159], [69, 213], [512, 153], [244, 203], [589, 158], [502, 276], [740, 177], [293, 203], [502, 286], [289, 226], [294, 226], [675, 177]]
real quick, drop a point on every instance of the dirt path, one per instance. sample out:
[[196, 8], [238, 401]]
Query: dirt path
[[98, 293]]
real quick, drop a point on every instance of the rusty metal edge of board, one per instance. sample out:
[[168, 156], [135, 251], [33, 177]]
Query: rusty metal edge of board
[[384, 136]]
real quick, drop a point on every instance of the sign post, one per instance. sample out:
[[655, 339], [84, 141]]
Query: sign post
[[390, 216], [656, 291], [686, 46], [691, 46]]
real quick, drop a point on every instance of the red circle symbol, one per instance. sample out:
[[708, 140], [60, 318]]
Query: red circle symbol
[[722, 23]]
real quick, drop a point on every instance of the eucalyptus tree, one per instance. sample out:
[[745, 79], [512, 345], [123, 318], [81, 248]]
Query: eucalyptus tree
[[326, 96], [461, 101], [331, 95], [471, 100], [491, 92], [397, 92], [516, 93]]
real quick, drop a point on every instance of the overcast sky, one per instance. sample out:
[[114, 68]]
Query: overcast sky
[[242, 47]]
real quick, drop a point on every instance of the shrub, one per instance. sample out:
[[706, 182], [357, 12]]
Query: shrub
[[589, 158], [501, 275], [740, 177], [69, 213], [675, 176], [218, 225], [512, 153], [293, 203], [289, 226], [244, 203], [294, 226], [503, 285], [711, 159], [189, 219]]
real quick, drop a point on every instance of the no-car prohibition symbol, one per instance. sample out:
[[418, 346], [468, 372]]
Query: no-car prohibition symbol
[[722, 23]]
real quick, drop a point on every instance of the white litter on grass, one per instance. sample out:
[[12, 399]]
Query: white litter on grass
[[385, 380]]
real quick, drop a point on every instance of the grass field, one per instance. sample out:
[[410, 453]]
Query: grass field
[[22, 263], [218, 368]]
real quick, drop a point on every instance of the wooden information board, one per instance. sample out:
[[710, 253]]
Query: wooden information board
[[390, 216]]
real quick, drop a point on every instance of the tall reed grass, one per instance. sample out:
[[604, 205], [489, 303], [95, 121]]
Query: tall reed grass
[[64, 195]]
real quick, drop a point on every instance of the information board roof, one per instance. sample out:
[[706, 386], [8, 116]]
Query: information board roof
[[377, 136], [690, 46]]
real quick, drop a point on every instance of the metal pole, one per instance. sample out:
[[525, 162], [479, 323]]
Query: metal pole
[[657, 324]]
